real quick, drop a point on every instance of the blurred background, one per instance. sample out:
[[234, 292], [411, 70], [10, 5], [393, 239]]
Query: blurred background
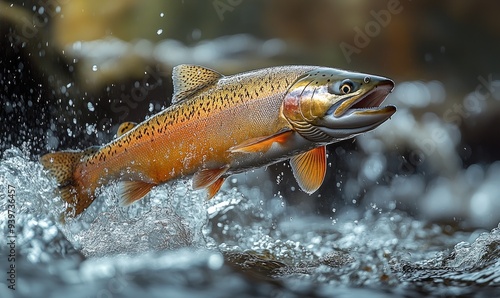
[[72, 71]]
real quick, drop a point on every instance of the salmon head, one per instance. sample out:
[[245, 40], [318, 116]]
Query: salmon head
[[327, 104]]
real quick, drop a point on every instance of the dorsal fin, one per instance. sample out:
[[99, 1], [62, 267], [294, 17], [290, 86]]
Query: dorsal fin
[[125, 127], [188, 79]]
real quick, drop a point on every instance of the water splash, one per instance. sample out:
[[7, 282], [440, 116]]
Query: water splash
[[184, 236], [172, 216]]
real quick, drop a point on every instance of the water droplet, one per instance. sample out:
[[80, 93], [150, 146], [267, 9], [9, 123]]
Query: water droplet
[[90, 106], [159, 31], [90, 128], [94, 67], [215, 261], [196, 34], [162, 15]]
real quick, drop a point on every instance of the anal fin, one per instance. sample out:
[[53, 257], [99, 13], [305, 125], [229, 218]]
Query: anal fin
[[131, 191], [309, 168]]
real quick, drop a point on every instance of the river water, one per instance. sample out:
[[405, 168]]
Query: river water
[[242, 243]]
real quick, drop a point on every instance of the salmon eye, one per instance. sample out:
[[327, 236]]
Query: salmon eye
[[346, 87], [342, 87]]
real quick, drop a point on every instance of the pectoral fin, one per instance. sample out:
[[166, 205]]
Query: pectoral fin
[[131, 191], [212, 179], [309, 169], [262, 144]]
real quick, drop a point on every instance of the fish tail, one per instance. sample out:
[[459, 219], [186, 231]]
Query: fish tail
[[62, 165]]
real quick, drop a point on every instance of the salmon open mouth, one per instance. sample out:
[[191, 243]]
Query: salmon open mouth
[[369, 102], [374, 98], [356, 115]]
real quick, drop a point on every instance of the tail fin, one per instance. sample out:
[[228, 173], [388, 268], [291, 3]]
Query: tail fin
[[62, 166]]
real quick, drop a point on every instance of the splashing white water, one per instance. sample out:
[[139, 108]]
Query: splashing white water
[[172, 216]]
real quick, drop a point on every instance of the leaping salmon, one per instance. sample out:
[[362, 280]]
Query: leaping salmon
[[221, 125]]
